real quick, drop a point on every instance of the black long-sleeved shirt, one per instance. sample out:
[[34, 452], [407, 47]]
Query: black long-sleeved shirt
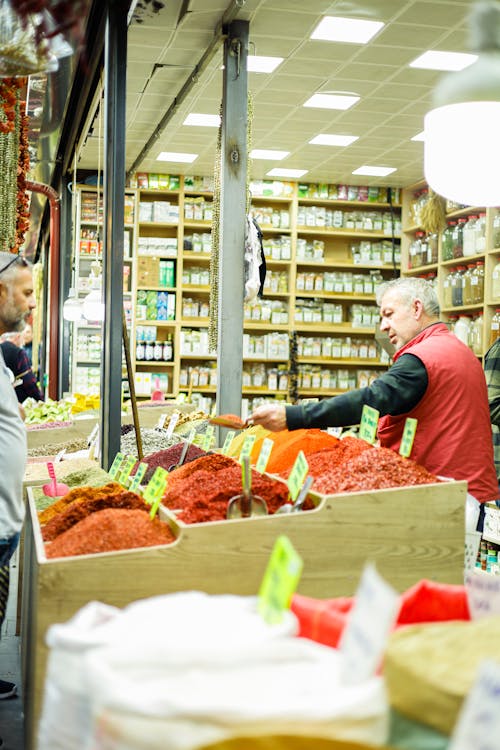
[[395, 392]]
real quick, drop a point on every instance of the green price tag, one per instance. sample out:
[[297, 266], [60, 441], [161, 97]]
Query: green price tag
[[265, 452], [136, 479], [227, 442], [408, 437], [247, 446], [156, 485], [369, 424], [209, 437], [280, 580], [192, 435], [156, 502], [125, 470], [115, 466], [297, 475]]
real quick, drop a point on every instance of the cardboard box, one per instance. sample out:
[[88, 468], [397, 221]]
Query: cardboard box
[[148, 271]]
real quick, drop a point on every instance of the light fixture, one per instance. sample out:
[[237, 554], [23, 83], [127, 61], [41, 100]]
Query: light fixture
[[281, 172], [262, 63], [439, 60], [93, 305], [370, 171], [72, 307], [337, 100], [352, 30], [330, 139], [462, 141], [201, 120], [264, 153], [176, 156]]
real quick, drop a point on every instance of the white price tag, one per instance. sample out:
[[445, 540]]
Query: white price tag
[[370, 622], [172, 424], [93, 434], [483, 594], [59, 456], [478, 725], [161, 421]]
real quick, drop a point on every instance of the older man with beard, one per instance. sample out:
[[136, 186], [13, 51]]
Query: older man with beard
[[16, 303]]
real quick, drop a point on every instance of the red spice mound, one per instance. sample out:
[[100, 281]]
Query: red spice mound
[[110, 529], [79, 510], [376, 469], [288, 444], [168, 457], [78, 494], [204, 496], [329, 458], [212, 463]]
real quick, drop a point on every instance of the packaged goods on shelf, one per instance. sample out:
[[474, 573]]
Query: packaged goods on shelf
[[267, 216], [194, 341], [379, 253], [155, 181], [197, 209], [196, 275], [277, 248], [276, 281], [271, 188], [198, 243], [272, 345], [148, 382], [197, 183], [273, 311], [198, 375], [310, 249], [158, 246]]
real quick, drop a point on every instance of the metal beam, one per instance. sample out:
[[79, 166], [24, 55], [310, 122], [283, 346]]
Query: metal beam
[[114, 195], [232, 219]]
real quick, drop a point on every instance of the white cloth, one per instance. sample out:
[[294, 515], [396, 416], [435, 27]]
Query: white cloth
[[13, 455]]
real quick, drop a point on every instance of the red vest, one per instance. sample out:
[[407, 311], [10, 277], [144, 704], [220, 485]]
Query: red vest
[[453, 437]]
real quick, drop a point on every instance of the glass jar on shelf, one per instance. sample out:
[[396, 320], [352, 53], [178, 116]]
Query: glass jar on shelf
[[477, 282], [461, 329], [467, 291], [447, 241], [432, 247], [476, 338], [457, 237], [495, 281], [469, 236], [480, 232], [494, 327], [448, 288]]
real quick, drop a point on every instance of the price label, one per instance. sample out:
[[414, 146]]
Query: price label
[[192, 435], [136, 479], [59, 456], [334, 431], [369, 424], [161, 421], [125, 470], [93, 434], [478, 724], [247, 446], [409, 431], [370, 622], [209, 438], [280, 580], [116, 465], [227, 442], [297, 475], [265, 452], [172, 424], [156, 485], [483, 594], [156, 503]]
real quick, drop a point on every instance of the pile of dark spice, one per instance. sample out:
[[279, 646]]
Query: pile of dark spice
[[169, 457], [78, 510], [79, 494], [203, 495], [380, 468], [109, 530]]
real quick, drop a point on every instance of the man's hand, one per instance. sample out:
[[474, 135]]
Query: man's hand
[[270, 416]]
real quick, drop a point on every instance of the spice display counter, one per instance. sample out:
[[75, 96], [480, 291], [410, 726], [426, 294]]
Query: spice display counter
[[409, 533]]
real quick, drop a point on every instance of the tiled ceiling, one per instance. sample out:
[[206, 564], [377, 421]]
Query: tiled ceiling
[[163, 52]]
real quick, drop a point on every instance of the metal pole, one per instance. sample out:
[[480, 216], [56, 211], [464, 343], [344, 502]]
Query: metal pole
[[65, 256], [232, 219], [115, 67]]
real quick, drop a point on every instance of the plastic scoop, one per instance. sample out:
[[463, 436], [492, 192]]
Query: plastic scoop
[[181, 457], [54, 488], [157, 394], [246, 504], [229, 420], [301, 498]]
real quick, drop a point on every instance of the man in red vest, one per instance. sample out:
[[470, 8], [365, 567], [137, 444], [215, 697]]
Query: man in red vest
[[434, 378]]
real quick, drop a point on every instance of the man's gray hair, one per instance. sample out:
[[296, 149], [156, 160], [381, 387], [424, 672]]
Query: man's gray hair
[[10, 263], [409, 289]]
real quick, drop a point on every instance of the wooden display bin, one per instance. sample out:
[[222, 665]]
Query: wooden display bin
[[409, 533]]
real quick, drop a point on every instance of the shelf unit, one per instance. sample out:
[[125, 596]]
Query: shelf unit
[[312, 273], [490, 256]]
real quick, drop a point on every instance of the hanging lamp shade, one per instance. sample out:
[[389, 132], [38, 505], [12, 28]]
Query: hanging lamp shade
[[72, 307], [462, 131], [93, 305]]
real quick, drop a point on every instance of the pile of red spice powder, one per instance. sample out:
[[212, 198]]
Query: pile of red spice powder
[[168, 457], [288, 444], [78, 510], [109, 530], [204, 495], [78, 494], [380, 468], [329, 458]]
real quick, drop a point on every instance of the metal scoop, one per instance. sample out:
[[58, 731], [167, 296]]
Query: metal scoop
[[182, 457], [301, 498], [246, 505]]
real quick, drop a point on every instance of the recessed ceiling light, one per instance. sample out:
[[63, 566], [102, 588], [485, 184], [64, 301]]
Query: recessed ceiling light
[[331, 101], [207, 121], [436, 60], [279, 172], [353, 30], [419, 137], [262, 64], [263, 153], [330, 139], [374, 171], [176, 156]]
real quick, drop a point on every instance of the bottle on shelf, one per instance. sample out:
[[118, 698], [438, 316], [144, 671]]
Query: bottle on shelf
[[448, 288], [457, 287], [495, 326], [496, 230], [495, 281], [432, 248], [458, 231], [467, 291], [469, 236], [480, 231], [462, 329], [447, 241], [477, 282], [476, 337]]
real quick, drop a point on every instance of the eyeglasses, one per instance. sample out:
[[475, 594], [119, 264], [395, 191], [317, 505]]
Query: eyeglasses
[[16, 259]]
